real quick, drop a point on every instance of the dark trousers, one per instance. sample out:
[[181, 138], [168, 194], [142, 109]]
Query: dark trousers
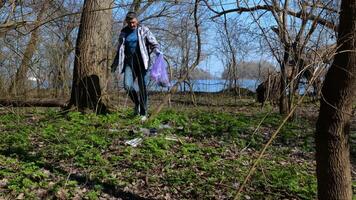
[[134, 69]]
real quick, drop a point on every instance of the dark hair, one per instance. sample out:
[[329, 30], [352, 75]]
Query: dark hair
[[130, 15]]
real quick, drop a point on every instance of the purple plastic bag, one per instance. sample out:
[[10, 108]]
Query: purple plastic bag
[[159, 73]]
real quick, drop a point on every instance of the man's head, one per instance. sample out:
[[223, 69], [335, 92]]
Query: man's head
[[131, 20]]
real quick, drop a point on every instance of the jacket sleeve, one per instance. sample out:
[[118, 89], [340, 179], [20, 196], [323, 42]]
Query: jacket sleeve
[[117, 56], [152, 42]]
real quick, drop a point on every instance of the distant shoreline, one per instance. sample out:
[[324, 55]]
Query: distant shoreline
[[211, 85]]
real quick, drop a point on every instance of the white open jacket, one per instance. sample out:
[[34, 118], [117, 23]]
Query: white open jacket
[[147, 44]]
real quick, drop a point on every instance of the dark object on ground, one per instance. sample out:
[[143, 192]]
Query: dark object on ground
[[32, 103], [238, 91], [269, 90]]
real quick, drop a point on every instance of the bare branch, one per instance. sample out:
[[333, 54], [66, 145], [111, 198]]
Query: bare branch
[[298, 14]]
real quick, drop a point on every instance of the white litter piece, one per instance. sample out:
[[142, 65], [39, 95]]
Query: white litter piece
[[145, 131], [134, 142], [171, 138], [164, 126], [113, 130]]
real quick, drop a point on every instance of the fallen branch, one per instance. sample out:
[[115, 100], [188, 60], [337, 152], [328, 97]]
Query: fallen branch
[[32, 103]]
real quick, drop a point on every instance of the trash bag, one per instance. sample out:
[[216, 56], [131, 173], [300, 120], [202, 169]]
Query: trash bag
[[159, 72]]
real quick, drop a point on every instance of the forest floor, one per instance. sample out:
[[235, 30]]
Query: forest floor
[[187, 152]]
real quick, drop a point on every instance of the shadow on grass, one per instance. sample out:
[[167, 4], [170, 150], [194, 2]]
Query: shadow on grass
[[108, 188]]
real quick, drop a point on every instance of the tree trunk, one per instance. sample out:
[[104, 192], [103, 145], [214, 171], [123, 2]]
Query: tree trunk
[[61, 73], [2, 88], [333, 125], [90, 73], [283, 98], [18, 85], [135, 6]]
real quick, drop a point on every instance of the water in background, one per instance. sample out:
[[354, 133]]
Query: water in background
[[216, 85], [209, 85]]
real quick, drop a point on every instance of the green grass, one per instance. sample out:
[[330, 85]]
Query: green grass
[[85, 155]]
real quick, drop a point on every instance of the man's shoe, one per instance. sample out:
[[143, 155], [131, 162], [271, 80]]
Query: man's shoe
[[143, 118]]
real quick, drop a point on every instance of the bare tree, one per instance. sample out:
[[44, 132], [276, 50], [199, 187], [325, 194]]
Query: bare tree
[[60, 48], [59, 53], [293, 37], [91, 62], [185, 75], [18, 84], [232, 61], [8, 23], [333, 125]]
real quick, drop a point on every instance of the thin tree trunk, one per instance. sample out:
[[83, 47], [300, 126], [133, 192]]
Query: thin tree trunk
[[192, 93], [63, 67], [192, 67], [333, 125], [18, 85], [233, 65], [90, 73], [283, 101]]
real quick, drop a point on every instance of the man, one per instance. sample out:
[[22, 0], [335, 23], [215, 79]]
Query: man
[[136, 42]]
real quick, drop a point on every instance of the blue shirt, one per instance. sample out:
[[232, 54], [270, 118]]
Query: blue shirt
[[131, 42]]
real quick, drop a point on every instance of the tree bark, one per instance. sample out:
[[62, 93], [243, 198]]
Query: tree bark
[[333, 125], [283, 98], [61, 73], [90, 73]]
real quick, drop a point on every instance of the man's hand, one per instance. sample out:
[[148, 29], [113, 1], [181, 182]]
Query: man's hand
[[158, 53]]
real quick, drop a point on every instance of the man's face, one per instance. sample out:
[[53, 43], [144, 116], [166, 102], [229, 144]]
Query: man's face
[[132, 23]]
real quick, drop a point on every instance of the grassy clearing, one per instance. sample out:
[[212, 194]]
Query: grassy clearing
[[198, 154]]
